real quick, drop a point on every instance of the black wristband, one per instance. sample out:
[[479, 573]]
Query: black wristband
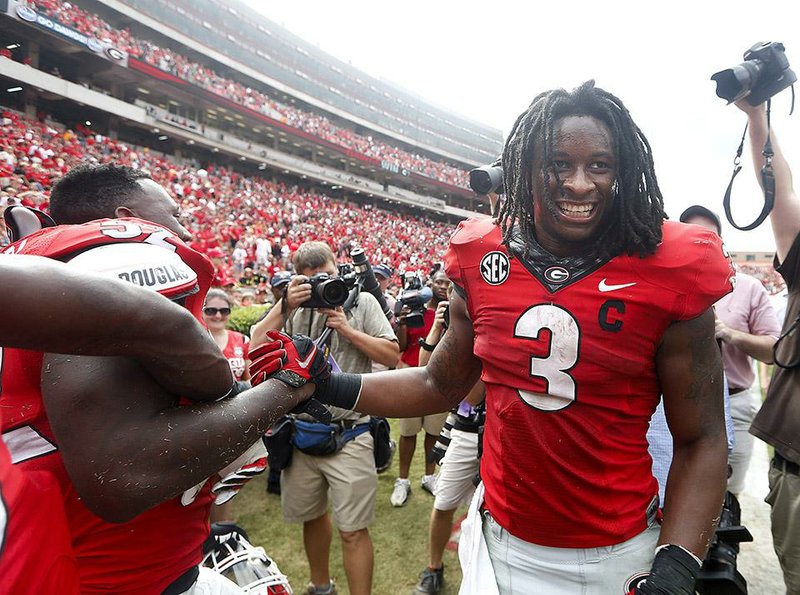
[[340, 390], [674, 572], [425, 345]]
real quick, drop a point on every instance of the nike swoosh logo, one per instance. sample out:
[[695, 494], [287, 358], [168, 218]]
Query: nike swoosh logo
[[306, 362], [604, 287]]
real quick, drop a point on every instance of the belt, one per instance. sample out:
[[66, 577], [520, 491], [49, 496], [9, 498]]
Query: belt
[[736, 391], [779, 462]]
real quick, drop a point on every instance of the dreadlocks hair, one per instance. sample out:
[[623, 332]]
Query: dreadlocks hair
[[90, 192], [637, 211]]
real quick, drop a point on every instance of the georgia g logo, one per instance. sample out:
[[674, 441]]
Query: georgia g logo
[[495, 268], [635, 581]]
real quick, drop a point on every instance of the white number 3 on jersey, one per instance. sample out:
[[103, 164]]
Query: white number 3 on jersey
[[561, 358]]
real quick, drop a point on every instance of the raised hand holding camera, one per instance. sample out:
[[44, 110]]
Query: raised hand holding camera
[[297, 292]]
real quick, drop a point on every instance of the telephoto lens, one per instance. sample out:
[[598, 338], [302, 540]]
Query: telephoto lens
[[437, 452]]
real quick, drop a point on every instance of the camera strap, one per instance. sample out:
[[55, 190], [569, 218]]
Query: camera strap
[[767, 178]]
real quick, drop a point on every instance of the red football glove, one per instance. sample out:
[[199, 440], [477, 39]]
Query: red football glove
[[294, 361], [266, 359], [301, 361]]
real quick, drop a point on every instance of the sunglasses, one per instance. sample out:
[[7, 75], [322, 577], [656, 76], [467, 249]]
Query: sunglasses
[[215, 311]]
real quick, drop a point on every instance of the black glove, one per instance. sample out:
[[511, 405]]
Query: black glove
[[673, 572]]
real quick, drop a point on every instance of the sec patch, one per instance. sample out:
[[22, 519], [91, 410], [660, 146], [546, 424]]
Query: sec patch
[[495, 268]]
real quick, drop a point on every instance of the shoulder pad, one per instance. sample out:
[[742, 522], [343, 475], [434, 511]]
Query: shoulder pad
[[146, 265], [473, 229], [691, 261]]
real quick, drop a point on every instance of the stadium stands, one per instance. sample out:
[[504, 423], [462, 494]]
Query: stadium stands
[[240, 33], [172, 62], [222, 207]]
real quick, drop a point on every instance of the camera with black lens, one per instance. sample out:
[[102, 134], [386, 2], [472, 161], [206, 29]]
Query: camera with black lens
[[327, 291], [414, 296], [719, 575], [436, 454], [765, 72], [487, 178]]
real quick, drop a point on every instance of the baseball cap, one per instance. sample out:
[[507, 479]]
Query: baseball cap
[[701, 211], [383, 270], [280, 278]]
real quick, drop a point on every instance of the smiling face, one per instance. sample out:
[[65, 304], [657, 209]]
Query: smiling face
[[216, 321], [583, 161]]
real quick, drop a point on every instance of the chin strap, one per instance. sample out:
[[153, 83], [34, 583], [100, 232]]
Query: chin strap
[[767, 178]]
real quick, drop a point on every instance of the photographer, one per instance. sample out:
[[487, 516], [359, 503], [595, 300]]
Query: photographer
[[746, 328], [361, 336], [411, 340], [459, 463], [778, 421]]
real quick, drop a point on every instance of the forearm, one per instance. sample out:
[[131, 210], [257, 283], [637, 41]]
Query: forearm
[[695, 490], [409, 392], [785, 215], [377, 349], [197, 441], [758, 130], [434, 335], [166, 339], [689, 366], [758, 347]]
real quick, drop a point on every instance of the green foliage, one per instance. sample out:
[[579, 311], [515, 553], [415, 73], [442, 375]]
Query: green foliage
[[242, 318]]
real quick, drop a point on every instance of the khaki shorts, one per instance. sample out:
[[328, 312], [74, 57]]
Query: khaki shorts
[[349, 474], [410, 426], [459, 467]]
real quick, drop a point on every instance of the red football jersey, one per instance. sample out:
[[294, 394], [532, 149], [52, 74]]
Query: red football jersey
[[236, 350], [410, 355], [35, 550], [568, 350], [146, 554]]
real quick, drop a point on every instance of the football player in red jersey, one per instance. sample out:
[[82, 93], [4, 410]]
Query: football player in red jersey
[[121, 448], [578, 306], [35, 550]]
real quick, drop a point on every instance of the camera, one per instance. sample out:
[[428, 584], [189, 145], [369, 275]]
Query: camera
[[718, 574], [327, 291], [487, 178], [415, 296], [765, 72], [436, 454], [363, 274]]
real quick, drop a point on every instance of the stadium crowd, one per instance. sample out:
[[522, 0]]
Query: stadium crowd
[[200, 75], [228, 213]]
